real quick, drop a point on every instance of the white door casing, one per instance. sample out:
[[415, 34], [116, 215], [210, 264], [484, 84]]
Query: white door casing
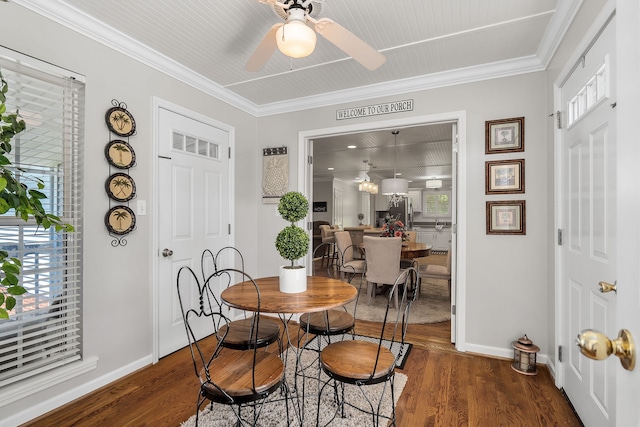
[[588, 221], [193, 208], [628, 107], [459, 209]]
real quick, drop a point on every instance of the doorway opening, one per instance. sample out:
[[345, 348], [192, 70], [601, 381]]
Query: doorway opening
[[318, 148]]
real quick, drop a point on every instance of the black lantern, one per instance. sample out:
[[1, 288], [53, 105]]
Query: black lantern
[[524, 356]]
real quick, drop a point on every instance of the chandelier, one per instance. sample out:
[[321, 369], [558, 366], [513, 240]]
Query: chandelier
[[366, 185], [395, 187]]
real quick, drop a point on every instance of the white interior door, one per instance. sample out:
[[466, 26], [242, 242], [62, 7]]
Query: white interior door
[[337, 207], [193, 210], [588, 206]]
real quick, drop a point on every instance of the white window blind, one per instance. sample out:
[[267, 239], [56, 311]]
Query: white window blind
[[44, 328]]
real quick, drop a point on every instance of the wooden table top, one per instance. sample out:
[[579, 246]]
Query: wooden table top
[[411, 250], [322, 293]]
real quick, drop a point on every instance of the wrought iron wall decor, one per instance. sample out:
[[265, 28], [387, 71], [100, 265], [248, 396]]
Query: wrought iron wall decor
[[120, 219]]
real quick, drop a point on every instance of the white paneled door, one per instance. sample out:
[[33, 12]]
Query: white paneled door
[[193, 208], [588, 251]]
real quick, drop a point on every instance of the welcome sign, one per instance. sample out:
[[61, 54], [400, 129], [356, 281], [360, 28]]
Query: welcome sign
[[375, 110]]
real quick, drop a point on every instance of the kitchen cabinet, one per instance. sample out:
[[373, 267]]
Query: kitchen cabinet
[[416, 200], [438, 239], [381, 203]]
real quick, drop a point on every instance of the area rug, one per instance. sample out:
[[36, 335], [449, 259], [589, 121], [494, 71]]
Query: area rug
[[432, 306], [396, 349], [274, 411]]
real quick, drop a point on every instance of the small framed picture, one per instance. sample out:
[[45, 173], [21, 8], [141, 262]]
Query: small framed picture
[[506, 217], [504, 136], [319, 206], [504, 177]]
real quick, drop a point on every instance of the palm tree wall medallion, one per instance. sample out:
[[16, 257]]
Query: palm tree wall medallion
[[120, 220], [119, 120], [120, 154], [120, 187]]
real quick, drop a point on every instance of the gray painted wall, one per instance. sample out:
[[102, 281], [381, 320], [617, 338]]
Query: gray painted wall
[[509, 278]]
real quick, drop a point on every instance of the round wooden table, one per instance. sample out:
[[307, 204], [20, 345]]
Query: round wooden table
[[411, 250], [322, 293]]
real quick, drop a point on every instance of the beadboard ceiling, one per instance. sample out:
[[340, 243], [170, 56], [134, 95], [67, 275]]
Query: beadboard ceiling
[[427, 43]]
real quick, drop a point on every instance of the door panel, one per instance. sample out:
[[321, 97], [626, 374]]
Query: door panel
[[589, 209], [193, 211]]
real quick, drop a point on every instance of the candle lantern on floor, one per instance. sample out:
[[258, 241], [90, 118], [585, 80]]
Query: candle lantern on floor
[[524, 356]]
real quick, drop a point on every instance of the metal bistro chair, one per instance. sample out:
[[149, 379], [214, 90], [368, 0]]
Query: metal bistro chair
[[236, 378], [363, 363], [336, 321], [236, 331]]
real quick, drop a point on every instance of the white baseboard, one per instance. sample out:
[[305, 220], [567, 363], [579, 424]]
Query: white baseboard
[[42, 407], [505, 353]]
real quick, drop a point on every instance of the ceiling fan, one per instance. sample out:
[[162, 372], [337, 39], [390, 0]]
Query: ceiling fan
[[296, 37]]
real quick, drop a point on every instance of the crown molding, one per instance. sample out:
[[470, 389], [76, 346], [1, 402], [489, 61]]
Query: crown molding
[[88, 26], [78, 21], [558, 27]]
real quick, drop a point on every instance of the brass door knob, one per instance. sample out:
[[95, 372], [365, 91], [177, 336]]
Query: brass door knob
[[595, 345], [607, 287]]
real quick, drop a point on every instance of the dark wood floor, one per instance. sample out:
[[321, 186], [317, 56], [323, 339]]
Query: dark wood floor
[[445, 388]]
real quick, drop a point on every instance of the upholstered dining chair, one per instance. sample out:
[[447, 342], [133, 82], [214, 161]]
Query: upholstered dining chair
[[327, 237], [434, 271], [236, 332], [382, 255], [363, 363], [411, 235], [347, 263], [234, 378]]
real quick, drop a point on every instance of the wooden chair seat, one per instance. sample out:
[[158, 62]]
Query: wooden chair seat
[[340, 322], [353, 361], [232, 372], [239, 330]]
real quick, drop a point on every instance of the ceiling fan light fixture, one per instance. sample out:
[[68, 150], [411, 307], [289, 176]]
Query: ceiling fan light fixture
[[295, 39]]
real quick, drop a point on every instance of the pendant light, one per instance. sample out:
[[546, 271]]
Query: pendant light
[[394, 187], [366, 185]]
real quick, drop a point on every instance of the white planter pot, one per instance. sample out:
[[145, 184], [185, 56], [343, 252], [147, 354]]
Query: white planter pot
[[293, 280]]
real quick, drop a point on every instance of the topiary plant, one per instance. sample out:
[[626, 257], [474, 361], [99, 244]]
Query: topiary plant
[[293, 242], [25, 201]]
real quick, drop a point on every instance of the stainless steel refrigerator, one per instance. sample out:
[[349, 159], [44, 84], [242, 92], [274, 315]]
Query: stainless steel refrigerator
[[404, 212]]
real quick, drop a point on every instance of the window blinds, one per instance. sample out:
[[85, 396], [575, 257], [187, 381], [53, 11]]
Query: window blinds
[[44, 329]]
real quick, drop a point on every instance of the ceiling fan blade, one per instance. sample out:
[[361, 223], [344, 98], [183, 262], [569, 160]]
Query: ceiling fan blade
[[264, 50], [350, 43]]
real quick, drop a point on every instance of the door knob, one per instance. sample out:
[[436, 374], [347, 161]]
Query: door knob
[[167, 252], [608, 287], [595, 345]]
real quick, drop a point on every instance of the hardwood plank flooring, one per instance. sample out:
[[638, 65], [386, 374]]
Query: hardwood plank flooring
[[444, 388]]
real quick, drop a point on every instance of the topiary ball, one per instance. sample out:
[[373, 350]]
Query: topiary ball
[[293, 206], [292, 243]]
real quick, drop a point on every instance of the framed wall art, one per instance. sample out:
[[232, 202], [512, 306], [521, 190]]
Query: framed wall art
[[506, 217], [504, 177], [504, 136]]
